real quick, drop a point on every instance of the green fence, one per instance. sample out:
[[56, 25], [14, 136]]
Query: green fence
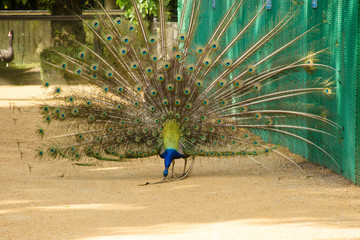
[[340, 34]]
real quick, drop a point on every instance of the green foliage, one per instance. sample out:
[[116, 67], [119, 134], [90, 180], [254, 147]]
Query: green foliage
[[148, 8], [46, 4], [26, 4]]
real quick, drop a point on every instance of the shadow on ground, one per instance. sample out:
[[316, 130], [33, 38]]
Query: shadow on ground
[[18, 76]]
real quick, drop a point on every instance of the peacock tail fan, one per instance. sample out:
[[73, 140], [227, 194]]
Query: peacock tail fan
[[144, 92]]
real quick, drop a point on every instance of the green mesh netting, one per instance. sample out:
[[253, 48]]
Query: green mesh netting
[[341, 33]]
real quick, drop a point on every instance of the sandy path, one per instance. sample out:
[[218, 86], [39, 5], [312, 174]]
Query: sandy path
[[223, 199]]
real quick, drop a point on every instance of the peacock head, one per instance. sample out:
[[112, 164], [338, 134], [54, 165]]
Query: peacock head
[[168, 158]]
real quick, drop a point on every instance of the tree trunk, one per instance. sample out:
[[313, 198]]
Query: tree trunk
[[63, 30], [110, 4]]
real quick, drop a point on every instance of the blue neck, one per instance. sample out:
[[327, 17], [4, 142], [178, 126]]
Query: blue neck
[[169, 155]]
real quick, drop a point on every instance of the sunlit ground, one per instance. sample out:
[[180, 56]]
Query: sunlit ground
[[232, 198]]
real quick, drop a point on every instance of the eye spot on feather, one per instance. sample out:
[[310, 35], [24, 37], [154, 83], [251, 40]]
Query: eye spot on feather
[[207, 62], [126, 39], [93, 67], [191, 68], [123, 51], [104, 114], [327, 91], [79, 137], [91, 118], [95, 23], [149, 70], [117, 20], [81, 55], [182, 37], [170, 87], [120, 89], [256, 87], [166, 65], [57, 90], [152, 39], [160, 77], [62, 116], [268, 122], [227, 63], [41, 131], [178, 56], [199, 83], [178, 77], [154, 58], [153, 92], [187, 91], [177, 102], [78, 71], [222, 83], [134, 65], [108, 37], [165, 102], [47, 84], [45, 109], [258, 116]]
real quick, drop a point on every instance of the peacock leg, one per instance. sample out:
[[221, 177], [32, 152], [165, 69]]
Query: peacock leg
[[172, 169], [186, 174], [185, 159]]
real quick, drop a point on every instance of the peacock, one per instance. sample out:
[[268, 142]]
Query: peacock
[[144, 92]]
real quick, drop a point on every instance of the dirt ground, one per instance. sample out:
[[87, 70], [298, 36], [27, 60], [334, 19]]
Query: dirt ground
[[232, 198]]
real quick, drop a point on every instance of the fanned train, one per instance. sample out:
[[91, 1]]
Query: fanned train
[[148, 93]]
